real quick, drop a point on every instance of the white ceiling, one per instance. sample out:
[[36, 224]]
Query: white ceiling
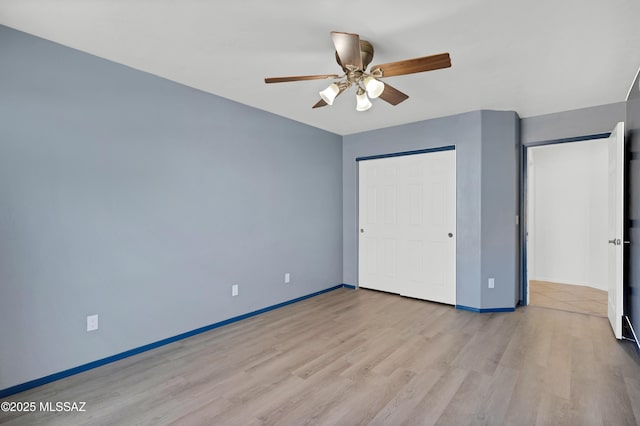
[[533, 57]]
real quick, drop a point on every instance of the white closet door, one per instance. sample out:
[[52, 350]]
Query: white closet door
[[407, 217]]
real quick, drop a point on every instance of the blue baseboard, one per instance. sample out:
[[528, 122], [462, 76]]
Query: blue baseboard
[[483, 311], [349, 286], [108, 360]]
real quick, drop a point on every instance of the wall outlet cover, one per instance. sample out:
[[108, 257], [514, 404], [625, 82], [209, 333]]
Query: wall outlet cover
[[92, 322]]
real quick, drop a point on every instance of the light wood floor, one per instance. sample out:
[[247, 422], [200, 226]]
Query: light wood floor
[[362, 357], [572, 298]]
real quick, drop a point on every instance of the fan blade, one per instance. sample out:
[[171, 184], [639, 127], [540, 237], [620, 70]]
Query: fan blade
[[392, 95], [299, 78], [410, 66], [322, 103], [348, 48]]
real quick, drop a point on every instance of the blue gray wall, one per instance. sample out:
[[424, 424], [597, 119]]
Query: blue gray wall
[[569, 124], [500, 206], [486, 149], [632, 308], [141, 200]]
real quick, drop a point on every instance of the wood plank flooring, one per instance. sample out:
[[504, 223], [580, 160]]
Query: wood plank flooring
[[567, 297], [363, 357]]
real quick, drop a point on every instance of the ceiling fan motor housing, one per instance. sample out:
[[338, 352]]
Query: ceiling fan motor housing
[[366, 51]]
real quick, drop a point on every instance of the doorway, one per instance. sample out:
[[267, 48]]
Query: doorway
[[567, 226], [615, 219], [407, 219]]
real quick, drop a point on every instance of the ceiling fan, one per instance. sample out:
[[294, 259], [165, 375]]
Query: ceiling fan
[[354, 55]]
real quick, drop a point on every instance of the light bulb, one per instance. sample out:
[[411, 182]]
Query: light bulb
[[363, 102], [330, 93], [374, 87]]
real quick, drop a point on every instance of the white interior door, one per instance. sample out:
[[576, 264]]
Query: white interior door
[[407, 218], [615, 228]]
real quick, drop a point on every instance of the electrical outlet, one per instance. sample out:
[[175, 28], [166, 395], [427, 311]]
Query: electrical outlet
[[234, 290], [92, 322], [492, 283], [287, 278]]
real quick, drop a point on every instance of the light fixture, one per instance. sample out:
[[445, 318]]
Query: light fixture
[[374, 86], [367, 85], [363, 102], [330, 93]]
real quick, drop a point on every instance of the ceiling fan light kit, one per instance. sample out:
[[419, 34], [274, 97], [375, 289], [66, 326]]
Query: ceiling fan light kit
[[354, 55], [330, 93], [362, 101], [374, 87]]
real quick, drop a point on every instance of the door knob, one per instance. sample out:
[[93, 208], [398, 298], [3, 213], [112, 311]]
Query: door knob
[[361, 231], [615, 241], [450, 235]]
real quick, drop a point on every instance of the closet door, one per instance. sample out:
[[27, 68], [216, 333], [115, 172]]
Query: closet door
[[407, 217]]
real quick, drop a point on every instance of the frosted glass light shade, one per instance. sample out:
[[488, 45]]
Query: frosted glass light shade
[[374, 87], [363, 102], [330, 93]]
